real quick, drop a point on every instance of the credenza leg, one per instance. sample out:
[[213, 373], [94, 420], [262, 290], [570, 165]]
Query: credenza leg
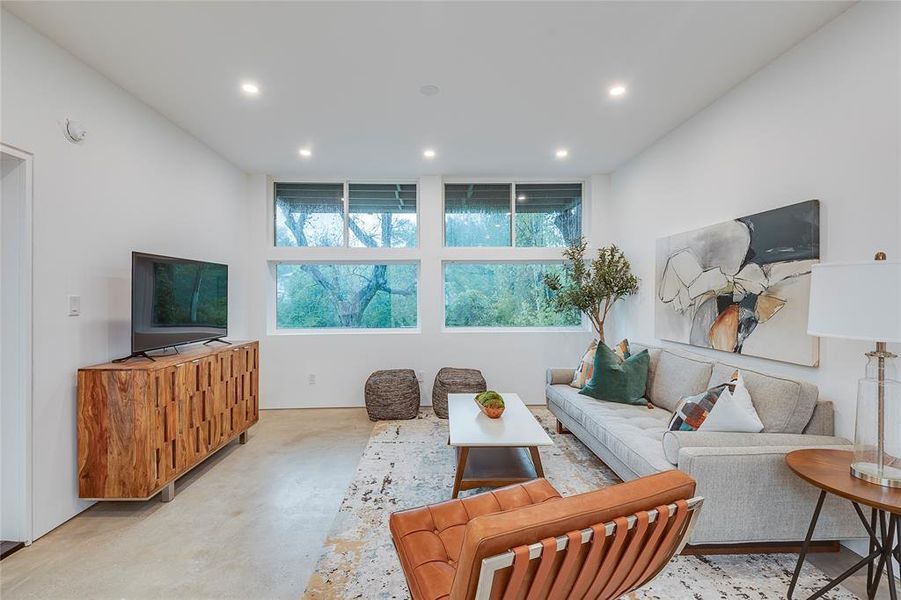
[[168, 493], [242, 439]]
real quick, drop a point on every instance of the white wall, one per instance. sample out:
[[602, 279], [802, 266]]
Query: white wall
[[820, 122], [137, 183], [341, 362]]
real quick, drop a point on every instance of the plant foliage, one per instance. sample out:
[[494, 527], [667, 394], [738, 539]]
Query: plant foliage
[[592, 287]]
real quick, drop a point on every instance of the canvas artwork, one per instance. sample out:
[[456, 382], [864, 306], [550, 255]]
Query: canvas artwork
[[742, 286]]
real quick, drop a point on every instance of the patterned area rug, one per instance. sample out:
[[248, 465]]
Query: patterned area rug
[[408, 464]]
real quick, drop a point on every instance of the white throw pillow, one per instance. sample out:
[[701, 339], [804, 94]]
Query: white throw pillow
[[726, 408], [733, 411]]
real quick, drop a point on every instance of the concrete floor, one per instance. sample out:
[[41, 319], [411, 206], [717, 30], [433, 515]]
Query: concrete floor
[[248, 523]]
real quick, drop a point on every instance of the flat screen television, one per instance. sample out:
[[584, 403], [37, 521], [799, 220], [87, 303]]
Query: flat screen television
[[176, 301]]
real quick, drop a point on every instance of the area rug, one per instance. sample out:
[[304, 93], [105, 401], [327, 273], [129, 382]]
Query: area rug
[[408, 463]]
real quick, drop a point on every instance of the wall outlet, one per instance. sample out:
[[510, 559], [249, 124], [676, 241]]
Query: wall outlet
[[312, 379], [74, 306]]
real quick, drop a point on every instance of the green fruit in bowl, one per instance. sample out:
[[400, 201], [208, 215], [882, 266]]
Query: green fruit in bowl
[[491, 403]]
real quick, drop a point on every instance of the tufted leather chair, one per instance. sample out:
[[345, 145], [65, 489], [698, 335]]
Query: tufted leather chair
[[526, 541]]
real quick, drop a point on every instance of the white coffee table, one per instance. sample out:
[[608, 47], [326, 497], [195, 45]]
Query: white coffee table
[[494, 452]]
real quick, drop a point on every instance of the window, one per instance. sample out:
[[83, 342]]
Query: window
[[477, 214], [382, 215], [509, 294], [309, 214], [313, 215], [339, 295], [548, 215]]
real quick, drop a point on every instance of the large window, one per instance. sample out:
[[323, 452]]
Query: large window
[[508, 294], [315, 214], [326, 295], [545, 215]]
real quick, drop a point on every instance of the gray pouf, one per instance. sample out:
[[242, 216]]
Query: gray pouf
[[455, 381], [392, 394]]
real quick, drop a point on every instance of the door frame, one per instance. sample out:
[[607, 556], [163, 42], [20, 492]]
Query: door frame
[[25, 341]]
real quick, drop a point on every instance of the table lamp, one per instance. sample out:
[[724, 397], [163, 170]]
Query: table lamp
[[862, 301]]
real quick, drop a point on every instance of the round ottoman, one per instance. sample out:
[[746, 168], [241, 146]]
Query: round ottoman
[[392, 394], [455, 381]]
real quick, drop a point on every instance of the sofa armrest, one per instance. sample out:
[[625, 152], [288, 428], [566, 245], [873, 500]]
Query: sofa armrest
[[675, 441], [750, 495], [558, 376], [822, 422]]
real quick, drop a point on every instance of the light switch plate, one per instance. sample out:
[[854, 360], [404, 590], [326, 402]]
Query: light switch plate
[[74, 306]]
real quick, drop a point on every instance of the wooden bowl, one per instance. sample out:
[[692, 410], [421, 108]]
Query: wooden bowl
[[492, 412]]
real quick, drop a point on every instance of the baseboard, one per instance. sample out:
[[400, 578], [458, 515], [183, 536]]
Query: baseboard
[[759, 548]]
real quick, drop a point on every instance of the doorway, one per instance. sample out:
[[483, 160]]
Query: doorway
[[15, 349]]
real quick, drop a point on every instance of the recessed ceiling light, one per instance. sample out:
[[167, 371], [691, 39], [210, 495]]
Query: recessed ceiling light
[[429, 90], [250, 88], [562, 153], [428, 153], [617, 90], [306, 152]]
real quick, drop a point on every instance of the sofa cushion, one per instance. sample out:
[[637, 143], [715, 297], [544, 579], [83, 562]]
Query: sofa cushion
[[633, 434], [783, 405], [678, 376], [673, 441]]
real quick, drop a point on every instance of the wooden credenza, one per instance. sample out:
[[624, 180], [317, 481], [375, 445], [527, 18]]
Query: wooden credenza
[[143, 424]]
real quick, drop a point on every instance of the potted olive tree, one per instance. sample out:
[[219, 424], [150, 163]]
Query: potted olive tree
[[592, 287]]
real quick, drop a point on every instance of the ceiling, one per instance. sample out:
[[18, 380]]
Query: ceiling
[[518, 80]]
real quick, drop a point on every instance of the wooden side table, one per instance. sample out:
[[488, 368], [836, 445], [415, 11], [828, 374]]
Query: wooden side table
[[829, 470]]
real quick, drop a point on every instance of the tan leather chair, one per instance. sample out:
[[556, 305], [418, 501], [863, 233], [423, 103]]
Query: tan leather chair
[[526, 541]]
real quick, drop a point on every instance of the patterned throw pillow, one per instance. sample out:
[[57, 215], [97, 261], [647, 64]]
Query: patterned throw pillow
[[584, 371], [726, 407]]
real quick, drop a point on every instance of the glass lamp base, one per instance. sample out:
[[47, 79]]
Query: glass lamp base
[[890, 476]]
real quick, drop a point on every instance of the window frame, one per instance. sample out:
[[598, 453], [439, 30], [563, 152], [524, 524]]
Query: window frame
[[512, 182], [435, 253], [346, 183]]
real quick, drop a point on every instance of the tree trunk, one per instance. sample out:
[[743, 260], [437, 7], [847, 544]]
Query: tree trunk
[[599, 329]]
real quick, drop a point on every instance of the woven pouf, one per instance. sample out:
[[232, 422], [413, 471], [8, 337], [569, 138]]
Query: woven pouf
[[392, 394], [455, 381]]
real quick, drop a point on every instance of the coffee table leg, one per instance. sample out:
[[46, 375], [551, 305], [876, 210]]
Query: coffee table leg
[[806, 545], [461, 468], [536, 460]]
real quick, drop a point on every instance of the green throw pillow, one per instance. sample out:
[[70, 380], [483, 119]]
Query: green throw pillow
[[618, 380]]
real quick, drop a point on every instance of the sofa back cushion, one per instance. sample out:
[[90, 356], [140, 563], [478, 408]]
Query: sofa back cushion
[[783, 405], [675, 377]]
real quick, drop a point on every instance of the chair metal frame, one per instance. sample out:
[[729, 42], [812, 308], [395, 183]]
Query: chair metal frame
[[492, 564]]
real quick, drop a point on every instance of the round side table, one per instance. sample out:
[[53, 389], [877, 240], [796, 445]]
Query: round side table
[[830, 471]]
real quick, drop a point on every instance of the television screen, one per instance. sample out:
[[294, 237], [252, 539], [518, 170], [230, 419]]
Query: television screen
[[176, 301]]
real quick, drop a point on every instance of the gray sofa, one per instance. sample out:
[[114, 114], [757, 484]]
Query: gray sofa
[[750, 494]]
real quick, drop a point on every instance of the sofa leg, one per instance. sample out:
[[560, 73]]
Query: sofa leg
[[561, 429]]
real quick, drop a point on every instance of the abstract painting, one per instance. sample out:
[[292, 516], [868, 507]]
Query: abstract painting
[[742, 286]]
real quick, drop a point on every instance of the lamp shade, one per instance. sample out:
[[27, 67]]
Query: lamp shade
[[857, 301]]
